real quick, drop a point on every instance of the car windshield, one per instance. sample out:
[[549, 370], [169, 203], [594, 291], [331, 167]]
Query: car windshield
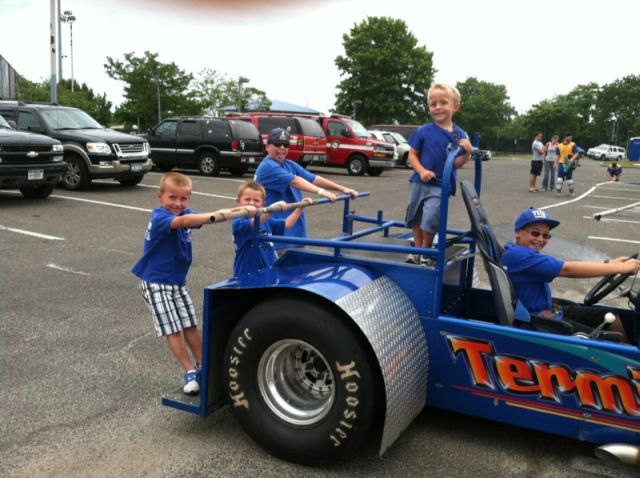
[[359, 130], [69, 118], [401, 139], [3, 123], [602, 146]]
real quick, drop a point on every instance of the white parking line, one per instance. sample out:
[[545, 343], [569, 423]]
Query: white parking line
[[214, 178], [102, 203], [614, 239], [192, 192], [30, 233], [67, 269], [610, 197]]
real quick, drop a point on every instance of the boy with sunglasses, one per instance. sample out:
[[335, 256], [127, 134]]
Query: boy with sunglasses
[[284, 180], [532, 272]]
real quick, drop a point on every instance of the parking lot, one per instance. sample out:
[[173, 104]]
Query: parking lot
[[82, 372]]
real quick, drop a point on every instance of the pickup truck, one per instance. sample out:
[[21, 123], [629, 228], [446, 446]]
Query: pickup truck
[[341, 342], [29, 162]]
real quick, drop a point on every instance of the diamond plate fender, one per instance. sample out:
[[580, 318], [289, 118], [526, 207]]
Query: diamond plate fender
[[391, 323]]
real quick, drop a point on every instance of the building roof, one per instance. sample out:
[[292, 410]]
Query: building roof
[[278, 106]]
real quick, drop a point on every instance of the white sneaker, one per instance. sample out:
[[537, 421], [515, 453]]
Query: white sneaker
[[191, 385], [413, 259], [427, 262]]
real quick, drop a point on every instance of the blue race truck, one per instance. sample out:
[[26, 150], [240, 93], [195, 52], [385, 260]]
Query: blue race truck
[[341, 341]]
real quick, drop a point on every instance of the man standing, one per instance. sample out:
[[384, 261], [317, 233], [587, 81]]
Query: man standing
[[537, 148], [565, 163]]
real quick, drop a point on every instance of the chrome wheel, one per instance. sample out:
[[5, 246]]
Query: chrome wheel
[[296, 382]]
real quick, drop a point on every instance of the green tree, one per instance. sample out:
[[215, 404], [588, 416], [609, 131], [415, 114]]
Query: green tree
[[214, 91], [386, 74], [617, 111], [144, 76], [82, 97], [485, 109]]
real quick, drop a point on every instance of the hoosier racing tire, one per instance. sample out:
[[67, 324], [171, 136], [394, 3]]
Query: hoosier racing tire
[[301, 382]]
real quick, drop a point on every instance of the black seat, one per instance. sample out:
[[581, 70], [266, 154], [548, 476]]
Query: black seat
[[508, 308]]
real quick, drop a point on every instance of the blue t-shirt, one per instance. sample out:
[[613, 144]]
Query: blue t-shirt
[[531, 273], [252, 256], [431, 141], [276, 178], [167, 252]]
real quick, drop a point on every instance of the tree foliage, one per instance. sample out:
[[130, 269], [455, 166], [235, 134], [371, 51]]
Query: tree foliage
[[485, 108], [82, 97], [214, 91], [385, 73], [145, 80]]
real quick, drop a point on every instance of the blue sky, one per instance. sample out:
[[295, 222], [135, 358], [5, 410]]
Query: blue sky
[[287, 49]]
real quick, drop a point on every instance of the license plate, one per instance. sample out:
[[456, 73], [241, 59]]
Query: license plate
[[136, 167], [35, 174], [252, 160], [315, 157]]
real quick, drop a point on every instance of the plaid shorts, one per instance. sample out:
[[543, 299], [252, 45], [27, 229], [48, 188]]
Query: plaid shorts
[[171, 307]]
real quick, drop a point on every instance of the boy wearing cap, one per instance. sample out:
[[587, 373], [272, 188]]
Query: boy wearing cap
[[284, 180], [532, 272]]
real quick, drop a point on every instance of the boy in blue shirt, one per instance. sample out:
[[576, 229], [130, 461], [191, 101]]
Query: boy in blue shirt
[[427, 157], [284, 180], [251, 255], [532, 272], [163, 269], [614, 172]]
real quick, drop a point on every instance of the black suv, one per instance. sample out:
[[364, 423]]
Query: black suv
[[209, 144], [29, 162], [90, 150]]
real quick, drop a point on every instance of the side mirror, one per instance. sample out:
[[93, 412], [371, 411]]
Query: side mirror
[[151, 132], [12, 124], [36, 129], [345, 132]]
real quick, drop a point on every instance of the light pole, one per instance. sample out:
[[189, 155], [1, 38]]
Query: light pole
[[242, 80], [70, 20], [157, 82], [355, 107], [67, 17]]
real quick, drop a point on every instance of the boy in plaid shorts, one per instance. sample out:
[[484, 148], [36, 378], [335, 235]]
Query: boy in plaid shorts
[[163, 268]]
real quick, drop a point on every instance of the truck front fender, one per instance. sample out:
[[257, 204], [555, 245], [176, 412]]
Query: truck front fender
[[382, 312]]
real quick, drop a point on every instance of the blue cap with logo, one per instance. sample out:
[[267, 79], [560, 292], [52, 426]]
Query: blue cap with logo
[[278, 135], [534, 215]]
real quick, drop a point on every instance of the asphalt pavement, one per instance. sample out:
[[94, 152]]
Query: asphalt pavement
[[82, 372]]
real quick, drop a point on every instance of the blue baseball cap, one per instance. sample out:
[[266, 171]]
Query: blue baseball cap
[[534, 215], [278, 135]]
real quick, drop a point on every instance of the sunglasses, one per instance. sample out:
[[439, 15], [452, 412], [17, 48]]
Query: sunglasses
[[545, 235], [281, 145]]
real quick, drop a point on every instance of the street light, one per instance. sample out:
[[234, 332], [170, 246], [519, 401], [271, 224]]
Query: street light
[[355, 107], [241, 81], [68, 17], [157, 82]]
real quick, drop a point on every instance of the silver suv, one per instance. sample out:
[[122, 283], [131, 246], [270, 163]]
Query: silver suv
[[606, 152], [402, 147]]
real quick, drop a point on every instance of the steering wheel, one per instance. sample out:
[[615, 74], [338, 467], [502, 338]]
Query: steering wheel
[[606, 285]]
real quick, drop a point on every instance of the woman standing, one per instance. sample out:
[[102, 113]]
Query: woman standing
[[549, 178]]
